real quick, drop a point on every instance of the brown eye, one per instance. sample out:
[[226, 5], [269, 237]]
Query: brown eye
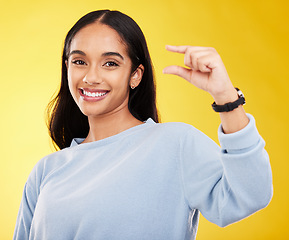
[[78, 62], [110, 64]]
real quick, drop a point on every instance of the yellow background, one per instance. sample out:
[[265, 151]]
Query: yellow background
[[251, 36]]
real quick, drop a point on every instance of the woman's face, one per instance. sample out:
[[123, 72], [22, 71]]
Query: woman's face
[[99, 71]]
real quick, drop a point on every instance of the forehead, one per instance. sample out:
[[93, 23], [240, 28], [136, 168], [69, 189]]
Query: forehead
[[97, 37]]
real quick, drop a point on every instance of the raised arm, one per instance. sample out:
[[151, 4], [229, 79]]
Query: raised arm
[[207, 72]]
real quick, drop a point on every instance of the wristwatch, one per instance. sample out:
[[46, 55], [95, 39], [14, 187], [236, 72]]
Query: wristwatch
[[231, 105]]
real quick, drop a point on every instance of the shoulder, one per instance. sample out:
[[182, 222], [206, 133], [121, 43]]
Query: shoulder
[[184, 135], [177, 129], [174, 132], [48, 164], [56, 158]]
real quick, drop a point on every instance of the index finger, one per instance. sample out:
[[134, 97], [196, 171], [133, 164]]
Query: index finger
[[183, 49], [177, 49]]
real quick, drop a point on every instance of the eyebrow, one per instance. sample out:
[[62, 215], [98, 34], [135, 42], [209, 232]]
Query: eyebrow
[[76, 52], [106, 54]]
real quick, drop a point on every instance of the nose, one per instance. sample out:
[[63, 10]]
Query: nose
[[92, 77]]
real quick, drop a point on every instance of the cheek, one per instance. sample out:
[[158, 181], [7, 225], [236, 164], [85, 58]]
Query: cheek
[[120, 80], [72, 83], [74, 78]]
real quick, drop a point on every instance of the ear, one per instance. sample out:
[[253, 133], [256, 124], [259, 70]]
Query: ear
[[66, 63], [136, 76]]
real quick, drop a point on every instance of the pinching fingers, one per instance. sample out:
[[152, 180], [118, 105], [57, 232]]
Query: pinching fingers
[[179, 71]]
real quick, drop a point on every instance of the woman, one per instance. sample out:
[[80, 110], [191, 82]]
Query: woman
[[120, 174]]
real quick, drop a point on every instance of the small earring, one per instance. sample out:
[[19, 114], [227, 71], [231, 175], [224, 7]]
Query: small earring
[[132, 86]]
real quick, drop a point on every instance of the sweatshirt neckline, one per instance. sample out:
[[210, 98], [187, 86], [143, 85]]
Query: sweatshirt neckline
[[77, 141]]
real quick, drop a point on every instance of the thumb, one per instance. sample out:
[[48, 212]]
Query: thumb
[[179, 71]]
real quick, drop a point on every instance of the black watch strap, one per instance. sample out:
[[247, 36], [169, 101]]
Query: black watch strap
[[232, 105]]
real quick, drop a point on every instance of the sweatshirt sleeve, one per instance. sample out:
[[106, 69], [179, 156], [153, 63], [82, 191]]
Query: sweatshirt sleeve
[[229, 183], [27, 206]]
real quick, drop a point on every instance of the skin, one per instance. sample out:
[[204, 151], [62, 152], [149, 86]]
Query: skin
[[99, 61], [207, 72]]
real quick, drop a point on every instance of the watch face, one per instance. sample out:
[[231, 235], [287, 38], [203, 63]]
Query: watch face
[[240, 93]]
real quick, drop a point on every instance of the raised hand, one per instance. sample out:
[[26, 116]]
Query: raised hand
[[205, 70]]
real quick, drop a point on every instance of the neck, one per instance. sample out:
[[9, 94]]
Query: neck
[[106, 126]]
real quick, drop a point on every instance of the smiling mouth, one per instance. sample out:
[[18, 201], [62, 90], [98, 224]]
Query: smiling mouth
[[87, 93]]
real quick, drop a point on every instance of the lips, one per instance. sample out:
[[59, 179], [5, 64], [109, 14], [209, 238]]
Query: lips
[[93, 94]]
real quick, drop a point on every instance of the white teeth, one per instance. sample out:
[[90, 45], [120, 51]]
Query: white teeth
[[93, 94]]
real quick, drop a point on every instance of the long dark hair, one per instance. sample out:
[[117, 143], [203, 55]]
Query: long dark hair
[[65, 121]]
